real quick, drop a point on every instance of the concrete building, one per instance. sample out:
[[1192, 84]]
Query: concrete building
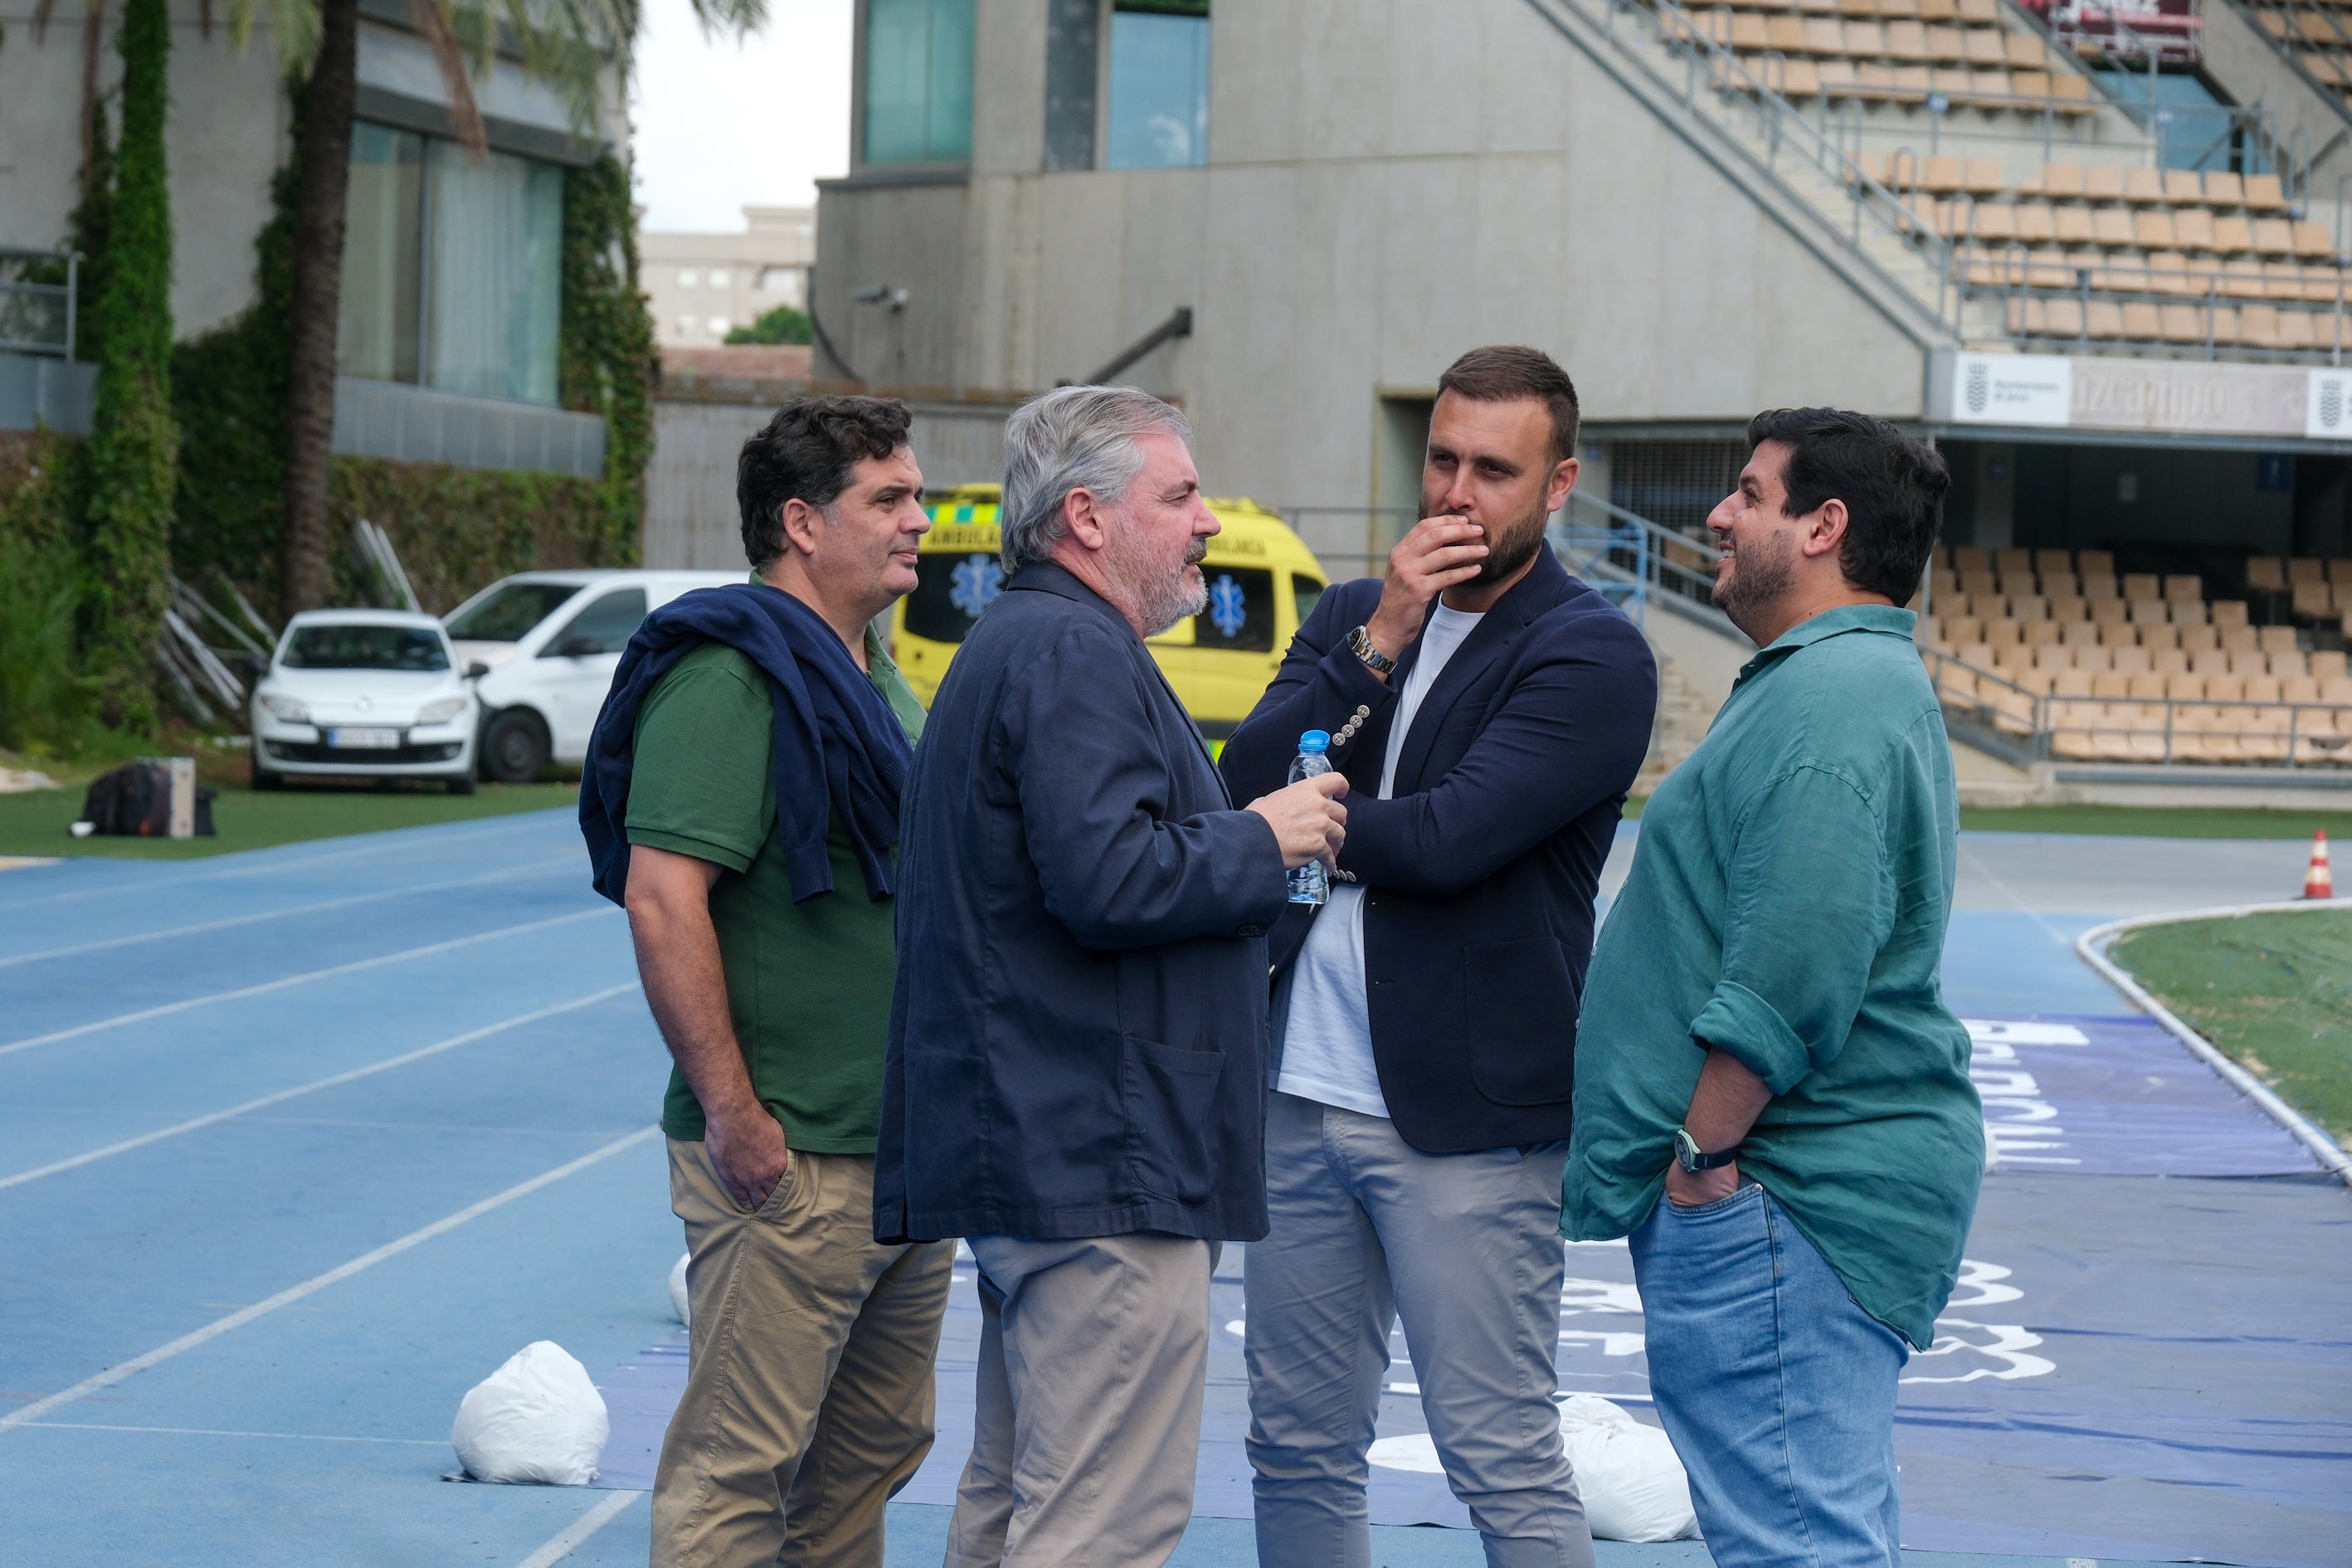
[[2116, 299], [703, 286], [452, 266]]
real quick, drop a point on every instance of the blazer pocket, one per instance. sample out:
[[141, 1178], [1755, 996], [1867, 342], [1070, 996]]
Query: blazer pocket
[[1519, 1022], [1170, 1099]]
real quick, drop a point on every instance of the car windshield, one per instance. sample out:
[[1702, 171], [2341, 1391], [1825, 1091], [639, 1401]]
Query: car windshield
[[365, 648], [508, 614]]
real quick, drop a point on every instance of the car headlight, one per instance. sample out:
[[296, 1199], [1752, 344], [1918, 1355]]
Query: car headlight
[[286, 707], [442, 711]]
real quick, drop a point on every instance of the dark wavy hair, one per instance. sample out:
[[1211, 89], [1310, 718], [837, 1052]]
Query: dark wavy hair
[[806, 453], [1893, 486]]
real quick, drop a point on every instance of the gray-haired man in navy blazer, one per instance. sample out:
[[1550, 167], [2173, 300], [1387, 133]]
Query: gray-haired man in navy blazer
[[1076, 1072], [1490, 712]]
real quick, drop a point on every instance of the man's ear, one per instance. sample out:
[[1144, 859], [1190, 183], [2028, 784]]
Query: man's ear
[[801, 522], [1562, 481], [1824, 531], [1083, 520]]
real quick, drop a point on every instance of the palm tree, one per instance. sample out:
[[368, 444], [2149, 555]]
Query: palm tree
[[577, 46]]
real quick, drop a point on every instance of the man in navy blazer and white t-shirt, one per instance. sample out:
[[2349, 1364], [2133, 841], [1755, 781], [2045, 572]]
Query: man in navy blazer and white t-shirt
[[1489, 712]]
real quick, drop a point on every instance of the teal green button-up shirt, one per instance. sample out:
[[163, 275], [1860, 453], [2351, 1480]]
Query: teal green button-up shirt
[[1787, 903]]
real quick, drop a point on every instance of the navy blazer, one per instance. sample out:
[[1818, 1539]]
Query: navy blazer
[[1479, 876], [1077, 1035]]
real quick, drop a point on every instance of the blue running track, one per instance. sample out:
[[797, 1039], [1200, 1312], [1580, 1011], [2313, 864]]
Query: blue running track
[[297, 1145]]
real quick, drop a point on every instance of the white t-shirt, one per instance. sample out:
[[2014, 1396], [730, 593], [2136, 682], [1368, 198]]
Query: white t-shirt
[[1327, 1041]]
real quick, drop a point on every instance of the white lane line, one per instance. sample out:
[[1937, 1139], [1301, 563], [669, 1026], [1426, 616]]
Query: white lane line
[[529, 868], [567, 1540], [25, 1416], [352, 968], [365, 851], [283, 1095], [213, 1432]]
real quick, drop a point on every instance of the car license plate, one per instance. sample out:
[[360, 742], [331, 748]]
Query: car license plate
[[364, 740]]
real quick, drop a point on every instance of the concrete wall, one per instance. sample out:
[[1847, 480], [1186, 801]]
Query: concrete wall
[[691, 519], [2240, 56], [226, 135], [1391, 182]]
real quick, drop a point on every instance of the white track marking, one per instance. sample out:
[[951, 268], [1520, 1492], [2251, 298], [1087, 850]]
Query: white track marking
[[25, 1416], [211, 1432], [283, 1095], [530, 867], [569, 1539], [363, 852], [352, 968]]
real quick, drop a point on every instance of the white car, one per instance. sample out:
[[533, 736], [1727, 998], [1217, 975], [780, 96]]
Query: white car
[[550, 641], [364, 693]]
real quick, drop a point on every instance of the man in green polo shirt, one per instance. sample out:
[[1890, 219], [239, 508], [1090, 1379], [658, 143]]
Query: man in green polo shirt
[[809, 1389], [1763, 1040]]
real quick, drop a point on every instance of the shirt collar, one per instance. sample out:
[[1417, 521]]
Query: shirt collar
[[1885, 619]]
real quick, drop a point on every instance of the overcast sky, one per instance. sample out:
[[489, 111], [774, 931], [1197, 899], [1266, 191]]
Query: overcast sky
[[721, 125]]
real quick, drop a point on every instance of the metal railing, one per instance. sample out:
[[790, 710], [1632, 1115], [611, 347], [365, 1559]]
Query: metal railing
[[2166, 732], [37, 294]]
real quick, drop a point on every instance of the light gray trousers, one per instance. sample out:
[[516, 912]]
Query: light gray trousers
[[1086, 1432], [1465, 1249]]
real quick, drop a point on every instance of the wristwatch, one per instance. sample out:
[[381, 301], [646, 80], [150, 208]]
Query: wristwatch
[[1689, 1157], [1360, 643]]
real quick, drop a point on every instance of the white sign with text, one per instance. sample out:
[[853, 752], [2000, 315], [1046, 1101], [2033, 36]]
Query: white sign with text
[[2013, 389]]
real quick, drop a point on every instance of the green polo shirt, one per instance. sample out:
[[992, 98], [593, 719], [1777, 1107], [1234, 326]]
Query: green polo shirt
[[808, 985], [1786, 903]]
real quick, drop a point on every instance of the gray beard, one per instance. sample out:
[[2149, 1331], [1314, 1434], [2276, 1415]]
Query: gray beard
[[1172, 603]]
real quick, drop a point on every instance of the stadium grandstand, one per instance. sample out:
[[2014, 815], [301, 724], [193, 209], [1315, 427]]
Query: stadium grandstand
[[2100, 254]]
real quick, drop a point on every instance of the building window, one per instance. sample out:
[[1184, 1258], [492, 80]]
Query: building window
[[918, 81], [775, 279], [719, 325], [719, 277], [688, 278], [1159, 85], [686, 326], [452, 271]]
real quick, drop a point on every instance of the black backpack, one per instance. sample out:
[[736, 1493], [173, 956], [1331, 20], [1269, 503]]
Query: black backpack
[[135, 801]]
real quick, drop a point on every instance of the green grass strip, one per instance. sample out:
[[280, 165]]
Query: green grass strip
[[35, 823], [2272, 991]]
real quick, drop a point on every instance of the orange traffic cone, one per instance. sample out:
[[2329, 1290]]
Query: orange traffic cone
[[2316, 882]]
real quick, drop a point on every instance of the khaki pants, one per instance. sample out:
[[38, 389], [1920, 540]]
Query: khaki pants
[[809, 1392], [1087, 1427]]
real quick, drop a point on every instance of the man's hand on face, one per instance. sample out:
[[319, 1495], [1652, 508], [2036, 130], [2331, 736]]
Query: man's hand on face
[[1308, 821], [748, 1153], [1439, 552]]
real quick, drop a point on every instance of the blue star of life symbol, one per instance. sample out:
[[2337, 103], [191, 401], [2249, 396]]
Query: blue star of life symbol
[[1226, 612], [976, 581]]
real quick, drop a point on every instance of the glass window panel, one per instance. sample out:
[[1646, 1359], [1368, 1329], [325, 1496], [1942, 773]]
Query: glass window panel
[[1240, 612], [950, 591], [376, 334], [603, 626], [1309, 594], [719, 277], [1159, 114], [494, 274], [918, 81]]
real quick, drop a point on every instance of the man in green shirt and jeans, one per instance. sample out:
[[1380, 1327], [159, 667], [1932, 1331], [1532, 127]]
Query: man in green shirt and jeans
[[809, 1391], [1763, 1040]]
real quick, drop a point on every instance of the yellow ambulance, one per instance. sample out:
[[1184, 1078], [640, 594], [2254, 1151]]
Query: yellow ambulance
[[1263, 582]]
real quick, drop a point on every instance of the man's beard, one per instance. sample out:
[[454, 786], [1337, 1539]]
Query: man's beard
[[1510, 549], [1161, 598], [1761, 571]]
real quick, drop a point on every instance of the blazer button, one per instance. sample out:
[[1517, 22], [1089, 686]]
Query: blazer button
[[1251, 930]]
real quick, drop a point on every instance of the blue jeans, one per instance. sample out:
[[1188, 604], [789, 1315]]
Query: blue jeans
[[1778, 1390]]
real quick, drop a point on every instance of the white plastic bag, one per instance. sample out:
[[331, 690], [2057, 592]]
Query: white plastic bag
[[536, 1419], [677, 1298], [1633, 1485]]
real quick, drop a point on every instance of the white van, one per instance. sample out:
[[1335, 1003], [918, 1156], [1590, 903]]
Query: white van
[[549, 642]]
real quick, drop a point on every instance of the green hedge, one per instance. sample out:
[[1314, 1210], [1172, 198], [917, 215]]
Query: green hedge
[[458, 529]]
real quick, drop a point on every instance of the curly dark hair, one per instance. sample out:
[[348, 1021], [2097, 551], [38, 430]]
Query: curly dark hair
[[806, 453], [1893, 486]]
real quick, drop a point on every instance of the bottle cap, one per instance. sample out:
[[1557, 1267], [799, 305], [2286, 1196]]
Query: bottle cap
[[1314, 741]]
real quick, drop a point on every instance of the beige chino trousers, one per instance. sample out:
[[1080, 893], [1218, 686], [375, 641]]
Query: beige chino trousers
[[809, 1392], [1086, 1431]]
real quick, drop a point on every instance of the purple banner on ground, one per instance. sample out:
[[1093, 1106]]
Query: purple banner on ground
[[2117, 1096]]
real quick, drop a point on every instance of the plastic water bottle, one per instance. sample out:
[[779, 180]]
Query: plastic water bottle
[[1310, 883]]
